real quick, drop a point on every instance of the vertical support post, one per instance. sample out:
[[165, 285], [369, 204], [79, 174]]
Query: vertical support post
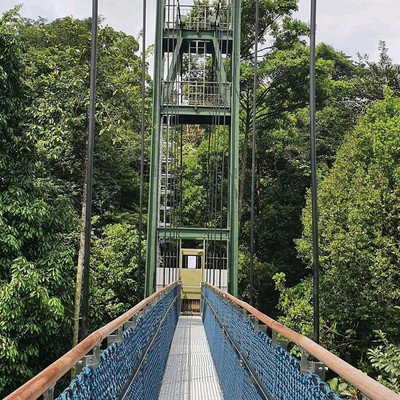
[[234, 155], [314, 171], [89, 174], [151, 258]]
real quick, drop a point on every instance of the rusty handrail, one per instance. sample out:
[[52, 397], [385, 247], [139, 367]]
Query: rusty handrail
[[368, 386], [48, 377]]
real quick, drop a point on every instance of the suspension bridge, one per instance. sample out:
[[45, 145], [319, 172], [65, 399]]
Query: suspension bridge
[[191, 337]]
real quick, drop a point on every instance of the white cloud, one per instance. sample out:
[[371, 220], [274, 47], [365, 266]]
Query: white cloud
[[348, 25], [357, 25]]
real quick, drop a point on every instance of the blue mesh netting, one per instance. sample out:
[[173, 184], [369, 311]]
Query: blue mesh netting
[[119, 362], [276, 369]]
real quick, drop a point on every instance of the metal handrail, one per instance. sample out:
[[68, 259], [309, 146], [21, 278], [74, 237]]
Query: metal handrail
[[368, 386], [148, 347], [46, 379], [243, 358], [209, 17], [196, 93]]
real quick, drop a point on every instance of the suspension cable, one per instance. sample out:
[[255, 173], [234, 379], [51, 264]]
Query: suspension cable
[[226, 130], [142, 152], [213, 178], [218, 180], [219, 183], [172, 193], [253, 158], [167, 180], [314, 171], [173, 249], [89, 174]]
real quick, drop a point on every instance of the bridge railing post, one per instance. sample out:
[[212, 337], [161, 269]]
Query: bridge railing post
[[281, 342], [131, 323], [117, 338], [202, 298], [49, 394], [92, 360], [259, 326], [307, 365]]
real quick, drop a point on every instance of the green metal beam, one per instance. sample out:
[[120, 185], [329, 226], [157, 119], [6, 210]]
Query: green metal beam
[[151, 258], [234, 156], [171, 38], [194, 35], [195, 233], [221, 74], [191, 110], [173, 68]]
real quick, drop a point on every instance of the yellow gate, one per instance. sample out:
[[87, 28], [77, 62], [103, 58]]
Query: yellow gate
[[191, 267]]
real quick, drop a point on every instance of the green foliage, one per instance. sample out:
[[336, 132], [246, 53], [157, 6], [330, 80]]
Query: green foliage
[[271, 13], [263, 288], [282, 150], [114, 271], [359, 235], [374, 76], [11, 83], [296, 304], [29, 317], [344, 389], [203, 152], [58, 67], [194, 182], [385, 358], [36, 222], [44, 81]]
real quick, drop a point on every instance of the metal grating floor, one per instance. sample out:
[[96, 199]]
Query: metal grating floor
[[190, 373]]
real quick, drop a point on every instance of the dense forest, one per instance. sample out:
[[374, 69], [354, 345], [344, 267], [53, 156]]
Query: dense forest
[[44, 99]]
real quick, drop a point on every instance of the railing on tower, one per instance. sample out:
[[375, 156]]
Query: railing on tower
[[197, 17], [197, 93]]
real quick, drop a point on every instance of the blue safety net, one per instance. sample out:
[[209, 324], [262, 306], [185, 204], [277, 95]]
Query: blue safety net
[[249, 367], [134, 368]]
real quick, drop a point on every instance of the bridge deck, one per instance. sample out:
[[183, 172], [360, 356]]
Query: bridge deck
[[190, 372]]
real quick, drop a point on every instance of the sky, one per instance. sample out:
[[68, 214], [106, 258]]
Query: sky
[[351, 26]]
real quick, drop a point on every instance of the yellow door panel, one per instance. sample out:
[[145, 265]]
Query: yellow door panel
[[191, 273]]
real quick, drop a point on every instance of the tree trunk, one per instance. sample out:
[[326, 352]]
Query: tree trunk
[[79, 268]]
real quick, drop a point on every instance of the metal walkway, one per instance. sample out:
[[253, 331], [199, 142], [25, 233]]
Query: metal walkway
[[190, 373]]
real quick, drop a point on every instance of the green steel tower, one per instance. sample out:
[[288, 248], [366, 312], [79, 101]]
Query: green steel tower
[[192, 230]]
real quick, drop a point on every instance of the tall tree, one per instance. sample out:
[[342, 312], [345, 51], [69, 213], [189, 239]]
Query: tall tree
[[282, 153], [36, 220], [359, 236], [43, 121], [61, 95]]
